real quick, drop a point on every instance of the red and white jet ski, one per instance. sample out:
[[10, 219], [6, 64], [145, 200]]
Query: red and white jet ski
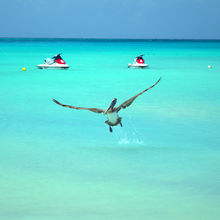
[[54, 63], [138, 62]]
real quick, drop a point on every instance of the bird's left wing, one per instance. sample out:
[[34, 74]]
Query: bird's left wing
[[96, 110], [129, 101]]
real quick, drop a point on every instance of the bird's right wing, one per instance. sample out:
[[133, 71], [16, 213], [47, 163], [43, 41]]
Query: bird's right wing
[[96, 110], [130, 101]]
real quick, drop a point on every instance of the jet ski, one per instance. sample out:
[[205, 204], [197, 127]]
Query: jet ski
[[138, 62], [55, 62]]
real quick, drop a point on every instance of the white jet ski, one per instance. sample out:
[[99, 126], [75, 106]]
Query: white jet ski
[[54, 63], [138, 62]]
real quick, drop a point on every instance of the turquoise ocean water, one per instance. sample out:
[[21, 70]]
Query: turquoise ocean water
[[58, 163]]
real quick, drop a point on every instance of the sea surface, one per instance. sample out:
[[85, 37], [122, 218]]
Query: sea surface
[[60, 163]]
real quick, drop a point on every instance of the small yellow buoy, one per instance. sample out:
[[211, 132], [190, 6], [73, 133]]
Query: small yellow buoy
[[24, 68]]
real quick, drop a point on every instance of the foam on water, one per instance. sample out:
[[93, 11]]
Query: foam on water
[[129, 138]]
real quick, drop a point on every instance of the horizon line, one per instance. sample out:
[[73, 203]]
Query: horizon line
[[116, 39]]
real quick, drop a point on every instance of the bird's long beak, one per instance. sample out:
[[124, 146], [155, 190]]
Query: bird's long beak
[[111, 106]]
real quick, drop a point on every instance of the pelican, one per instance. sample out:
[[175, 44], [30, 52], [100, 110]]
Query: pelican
[[111, 111]]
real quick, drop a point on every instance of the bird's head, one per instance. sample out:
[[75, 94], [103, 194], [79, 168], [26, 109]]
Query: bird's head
[[111, 106]]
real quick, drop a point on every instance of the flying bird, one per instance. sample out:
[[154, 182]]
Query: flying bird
[[111, 111]]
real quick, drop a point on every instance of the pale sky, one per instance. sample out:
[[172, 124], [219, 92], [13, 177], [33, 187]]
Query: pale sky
[[142, 19]]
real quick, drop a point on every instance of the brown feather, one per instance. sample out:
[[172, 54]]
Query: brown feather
[[96, 110], [130, 101]]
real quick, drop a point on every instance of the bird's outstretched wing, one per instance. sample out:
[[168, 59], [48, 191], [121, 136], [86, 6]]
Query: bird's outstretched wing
[[129, 101], [96, 110]]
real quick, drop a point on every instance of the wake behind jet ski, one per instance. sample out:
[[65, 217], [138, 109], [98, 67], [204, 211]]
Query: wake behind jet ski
[[55, 62], [138, 62]]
